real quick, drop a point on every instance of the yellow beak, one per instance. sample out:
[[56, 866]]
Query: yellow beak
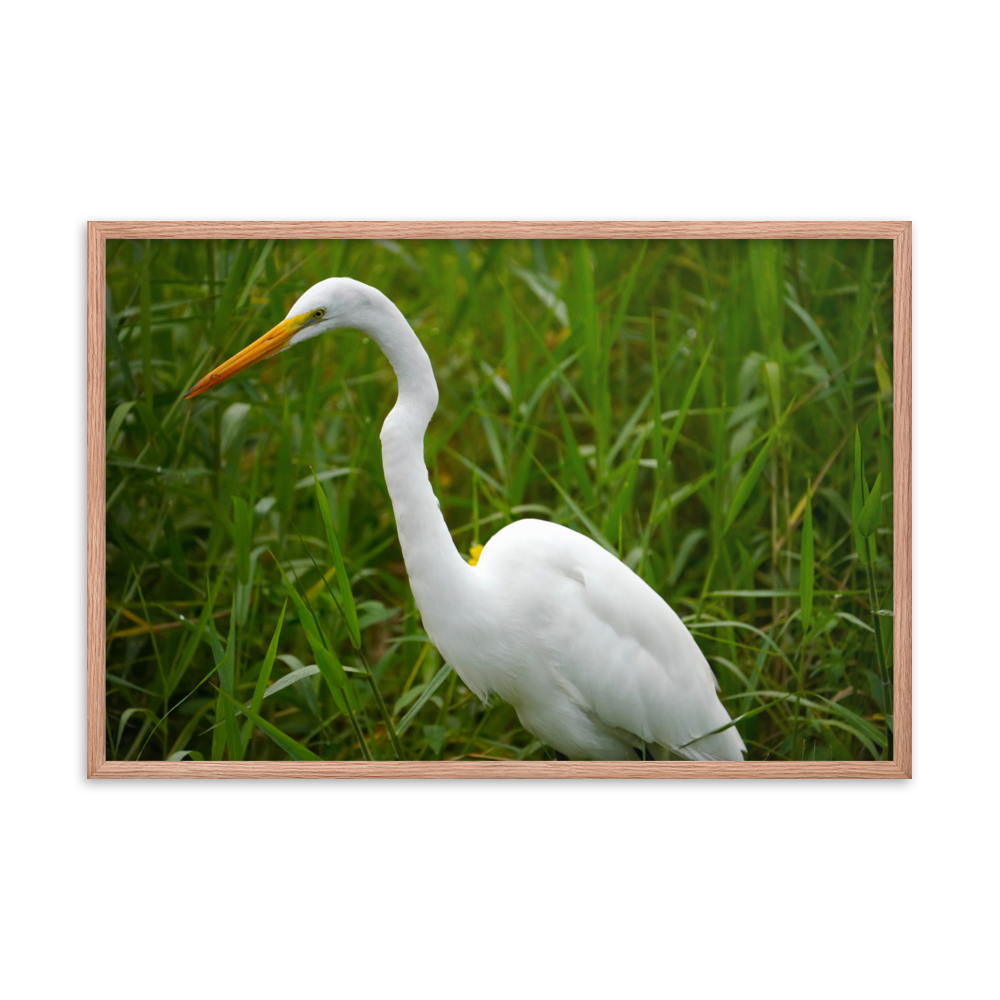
[[273, 341]]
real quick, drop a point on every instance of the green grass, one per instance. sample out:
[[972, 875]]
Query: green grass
[[673, 400]]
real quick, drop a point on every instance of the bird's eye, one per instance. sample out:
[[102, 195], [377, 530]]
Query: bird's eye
[[318, 313]]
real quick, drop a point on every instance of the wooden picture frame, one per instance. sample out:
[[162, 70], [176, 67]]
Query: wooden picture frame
[[898, 232]]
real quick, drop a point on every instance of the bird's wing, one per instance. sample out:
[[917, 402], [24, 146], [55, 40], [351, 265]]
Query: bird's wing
[[630, 660], [640, 669]]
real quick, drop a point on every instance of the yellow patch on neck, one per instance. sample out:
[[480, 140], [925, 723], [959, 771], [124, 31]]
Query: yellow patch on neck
[[475, 552]]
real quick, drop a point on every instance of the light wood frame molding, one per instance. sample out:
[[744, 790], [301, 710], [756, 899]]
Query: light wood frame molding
[[899, 232]]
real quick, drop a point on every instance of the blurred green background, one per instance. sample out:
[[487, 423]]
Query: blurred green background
[[672, 399]]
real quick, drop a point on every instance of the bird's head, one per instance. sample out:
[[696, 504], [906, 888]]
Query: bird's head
[[329, 305]]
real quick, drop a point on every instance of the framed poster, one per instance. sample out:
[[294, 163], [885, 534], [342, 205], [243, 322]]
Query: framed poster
[[641, 508]]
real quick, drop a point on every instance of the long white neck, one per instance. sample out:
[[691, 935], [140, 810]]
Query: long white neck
[[441, 579]]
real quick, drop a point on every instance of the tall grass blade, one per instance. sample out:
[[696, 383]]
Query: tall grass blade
[[115, 424], [173, 708], [255, 273], [439, 678], [292, 747], [327, 661], [832, 362], [871, 512], [629, 429], [767, 273], [583, 316], [675, 430], [190, 648], [734, 722], [747, 484], [858, 497], [654, 355], [226, 667], [806, 565], [261, 687], [626, 295], [592, 528], [128, 714], [283, 480], [347, 597], [230, 293], [241, 537], [613, 522]]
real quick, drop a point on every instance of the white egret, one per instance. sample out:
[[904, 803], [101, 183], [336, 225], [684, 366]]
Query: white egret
[[596, 664]]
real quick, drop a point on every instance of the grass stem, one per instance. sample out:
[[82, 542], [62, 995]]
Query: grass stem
[[883, 670]]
